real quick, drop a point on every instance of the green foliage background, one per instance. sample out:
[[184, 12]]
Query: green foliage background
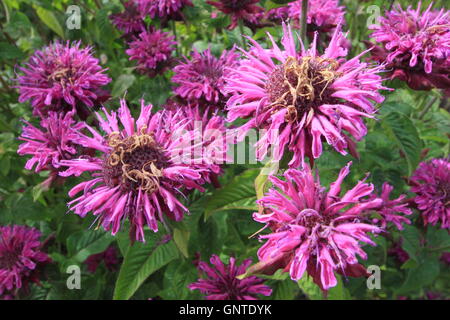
[[220, 221]]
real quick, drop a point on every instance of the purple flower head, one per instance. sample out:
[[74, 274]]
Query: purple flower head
[[246, 10], [163, 8], [221, 282], [389, 209], [51, 143], [415, 46], [201, 80], [431, 184], [323, 15], [152, 51], [129, 21], [62, 77], [314, 230], [302, 98], [108, 257], [144, 166], [213, 137], [20, 255]]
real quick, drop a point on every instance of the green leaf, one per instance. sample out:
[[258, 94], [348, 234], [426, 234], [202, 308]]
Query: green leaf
[[405, 136], [284, 290], [238, 194], [422, 275], [339, 292], [141, 260], [50, 20], [261, 180], [181, 238], [438, 240], [309, 288], [81, 245], [411, 241], [177, 277], [122, 83], [8, 51]]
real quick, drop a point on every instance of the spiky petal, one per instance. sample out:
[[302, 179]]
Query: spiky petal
[[20, 256], [431, 184], [144, 168], [221, 282], [302, 98], [61, 77], [316, 231]]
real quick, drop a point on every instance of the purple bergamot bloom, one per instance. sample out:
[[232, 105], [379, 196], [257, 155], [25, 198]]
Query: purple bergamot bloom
[[63, 77], [152, 51], [415, 46], [163, 8], [431, 184], [20, 256], [201, 80], [389, 210], [315, 230], [108, 257], [221, 282], [302, 98], [52, 142], [143, 168], [245, 10], [129, 21]]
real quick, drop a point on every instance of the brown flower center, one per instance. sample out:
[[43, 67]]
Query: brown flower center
[[301, 85], [135, 162]]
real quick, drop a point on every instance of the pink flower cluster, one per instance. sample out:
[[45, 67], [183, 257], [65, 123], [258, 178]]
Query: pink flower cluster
[[239, 10], [415, 45], [51, 143], [145, 165], [299, 98], [431, 184], [162, 8], [317, 231], [221, 281], [62, 77], [201, 80], [152, 51], [20, 257], [323, 15]]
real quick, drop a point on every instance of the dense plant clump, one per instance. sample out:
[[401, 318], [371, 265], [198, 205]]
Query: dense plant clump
[[190, 149]]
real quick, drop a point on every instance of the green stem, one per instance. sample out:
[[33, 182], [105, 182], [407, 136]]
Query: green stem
[[241, 31], [174, 30], [304, 23]]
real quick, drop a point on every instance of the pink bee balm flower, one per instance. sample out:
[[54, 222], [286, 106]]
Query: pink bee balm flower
[[50, 144], [63, 77], [163, 8], [213, 138], [129, 21], [144, 166], [302, 98], [431, 183], [20, 256], [245, 10], [389, 209], [416, 46], [152, 51], [221, 282], [323, 15], [314, 230], [202, 79]]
